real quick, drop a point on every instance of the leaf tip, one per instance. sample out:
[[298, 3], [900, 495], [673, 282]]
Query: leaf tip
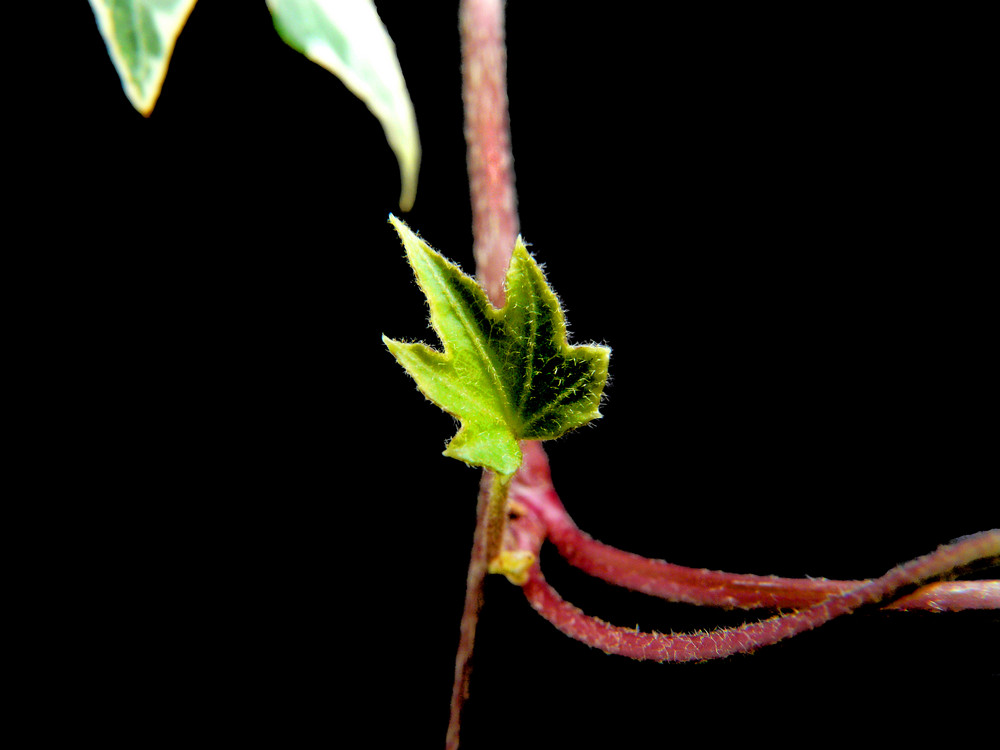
[[400, 226], [408, 194]]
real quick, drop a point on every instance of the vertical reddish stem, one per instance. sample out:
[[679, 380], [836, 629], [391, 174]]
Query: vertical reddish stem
[[487, 135], [470, 614], [494, 227]]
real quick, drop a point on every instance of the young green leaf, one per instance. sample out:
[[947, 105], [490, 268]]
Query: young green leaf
[[347, 38], [140, 36], [507, 374]]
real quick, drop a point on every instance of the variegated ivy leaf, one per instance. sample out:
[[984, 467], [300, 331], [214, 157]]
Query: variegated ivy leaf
[[348, 38], [140, 36], [507, 375]]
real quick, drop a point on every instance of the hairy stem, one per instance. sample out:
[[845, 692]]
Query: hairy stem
[[495, 227], [470, 614], [529, 532], [532, 490], [487, 135]]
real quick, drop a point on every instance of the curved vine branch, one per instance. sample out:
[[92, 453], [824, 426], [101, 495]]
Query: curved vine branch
[[533, 490], [542, 515], [726, 642]]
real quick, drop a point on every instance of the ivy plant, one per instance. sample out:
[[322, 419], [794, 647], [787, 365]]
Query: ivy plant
[[507, 372]]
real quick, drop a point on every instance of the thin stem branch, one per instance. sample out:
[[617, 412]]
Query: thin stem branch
[[532, 489], [951, 596], [529, 530]]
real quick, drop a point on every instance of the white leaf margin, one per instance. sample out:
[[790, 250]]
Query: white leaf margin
[[347, 38], [169, 20]]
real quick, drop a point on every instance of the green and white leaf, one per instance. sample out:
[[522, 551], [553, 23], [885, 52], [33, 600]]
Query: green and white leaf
[[506, 375], [140, 37], [347, 38]]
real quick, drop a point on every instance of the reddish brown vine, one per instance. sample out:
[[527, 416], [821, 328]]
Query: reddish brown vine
[[543, 516], [540, 514]]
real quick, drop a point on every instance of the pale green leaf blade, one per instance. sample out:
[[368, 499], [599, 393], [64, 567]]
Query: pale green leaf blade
[[463, 379], [347, 38], [507, 375], [140, 37]]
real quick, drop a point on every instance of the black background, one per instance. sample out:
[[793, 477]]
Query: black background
[[774, 223]]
